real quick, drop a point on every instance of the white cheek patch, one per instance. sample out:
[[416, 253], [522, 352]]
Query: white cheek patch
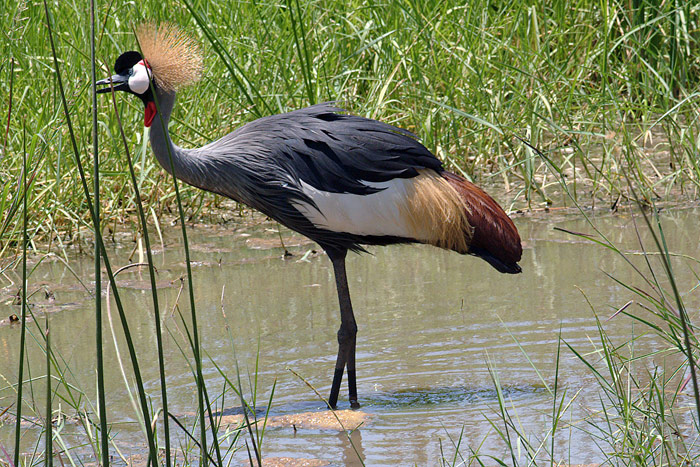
[[139, 81]]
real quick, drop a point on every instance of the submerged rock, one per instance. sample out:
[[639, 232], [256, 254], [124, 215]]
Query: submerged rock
[[292, 462], [339, 420]]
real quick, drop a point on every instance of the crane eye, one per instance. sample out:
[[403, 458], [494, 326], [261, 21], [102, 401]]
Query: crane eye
[[139, 78]]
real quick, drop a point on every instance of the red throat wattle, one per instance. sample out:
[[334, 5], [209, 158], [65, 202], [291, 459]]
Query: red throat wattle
[[150, 113]]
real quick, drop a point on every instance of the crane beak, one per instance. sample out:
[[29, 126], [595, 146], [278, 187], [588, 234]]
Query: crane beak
[[120, 83]]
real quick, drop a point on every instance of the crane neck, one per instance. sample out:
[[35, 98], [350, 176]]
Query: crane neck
[[186, 163], [194, 166], [163, 147]]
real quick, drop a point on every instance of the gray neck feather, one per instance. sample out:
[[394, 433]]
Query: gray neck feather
[[220, 167], [188, 165]]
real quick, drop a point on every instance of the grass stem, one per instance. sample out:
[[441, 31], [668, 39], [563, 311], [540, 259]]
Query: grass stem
[[101, 403], [48, 452], [23, 323]]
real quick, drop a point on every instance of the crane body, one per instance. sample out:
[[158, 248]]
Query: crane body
[[342, 180]]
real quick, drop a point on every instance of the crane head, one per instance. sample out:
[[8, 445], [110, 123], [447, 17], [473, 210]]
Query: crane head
[[133, 75], [169, 59]]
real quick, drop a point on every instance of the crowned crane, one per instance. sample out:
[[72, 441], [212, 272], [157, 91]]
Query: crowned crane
[[341, 180]]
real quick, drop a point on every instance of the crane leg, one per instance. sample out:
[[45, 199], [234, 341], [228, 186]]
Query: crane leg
[[346, 333]]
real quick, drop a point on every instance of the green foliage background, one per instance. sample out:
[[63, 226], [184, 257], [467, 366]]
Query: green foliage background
[[599, 87]]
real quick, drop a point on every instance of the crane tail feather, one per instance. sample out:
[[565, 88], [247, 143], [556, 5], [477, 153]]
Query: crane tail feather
[[436, 213], [493, 237]]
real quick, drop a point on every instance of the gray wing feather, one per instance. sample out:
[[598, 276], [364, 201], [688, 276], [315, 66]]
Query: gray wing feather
[[331, 150]]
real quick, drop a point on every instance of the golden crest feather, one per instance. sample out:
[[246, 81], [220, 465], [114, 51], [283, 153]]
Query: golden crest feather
[[172, 54]]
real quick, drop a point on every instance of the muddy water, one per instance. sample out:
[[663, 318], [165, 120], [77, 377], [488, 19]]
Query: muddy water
[[434, 327]]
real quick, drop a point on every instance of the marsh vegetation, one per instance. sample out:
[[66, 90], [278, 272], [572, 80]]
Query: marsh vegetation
[[589, 106]]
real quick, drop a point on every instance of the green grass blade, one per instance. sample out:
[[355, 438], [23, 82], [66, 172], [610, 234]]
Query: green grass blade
[[101, 403], [23, 324], [229, 63], [48, 452], [9, 109], [303, 57]]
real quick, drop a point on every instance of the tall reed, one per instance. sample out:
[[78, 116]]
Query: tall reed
[[23, 323], [48, 422], [98, 238], [104, 437]]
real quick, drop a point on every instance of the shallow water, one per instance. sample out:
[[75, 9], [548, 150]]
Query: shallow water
[[434, 327]]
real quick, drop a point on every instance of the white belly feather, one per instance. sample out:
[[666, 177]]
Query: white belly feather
[[425, 208], [380, 213]]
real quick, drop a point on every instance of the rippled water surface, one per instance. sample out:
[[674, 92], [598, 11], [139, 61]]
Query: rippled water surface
[[435, 329]]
